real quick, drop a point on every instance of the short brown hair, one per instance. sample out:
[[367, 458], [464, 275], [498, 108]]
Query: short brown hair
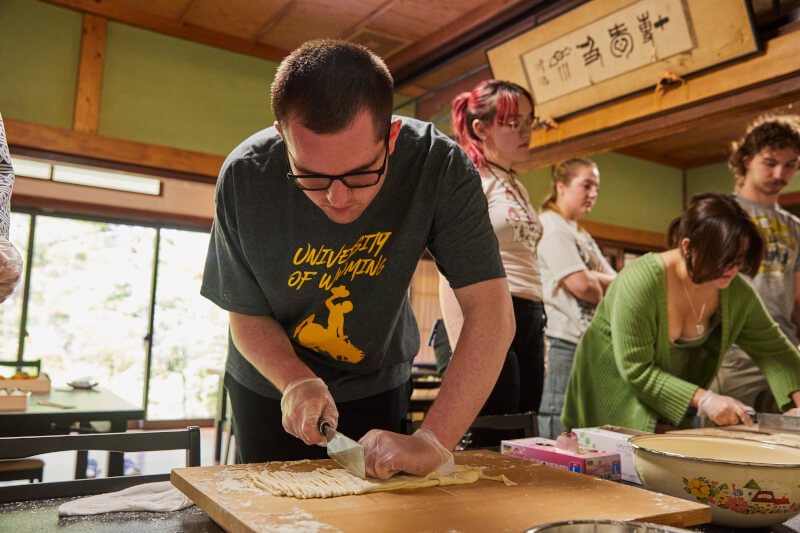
[[325, 83], [775, 132], [720, 234]]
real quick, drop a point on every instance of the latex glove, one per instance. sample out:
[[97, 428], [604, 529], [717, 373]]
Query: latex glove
[[723, 410], [304, 402], [10, 268], [387, 453]]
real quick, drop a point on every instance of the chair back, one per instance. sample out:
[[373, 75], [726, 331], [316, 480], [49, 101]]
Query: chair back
[[20, 447]]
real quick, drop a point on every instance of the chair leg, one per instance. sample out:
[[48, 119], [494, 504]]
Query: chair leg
[[228, 442]]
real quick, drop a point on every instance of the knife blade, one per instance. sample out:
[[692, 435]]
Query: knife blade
[[344, 450], [776, 422]]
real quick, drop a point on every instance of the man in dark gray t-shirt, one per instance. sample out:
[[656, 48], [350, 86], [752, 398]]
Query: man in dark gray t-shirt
[[764, 162], [320, 223]]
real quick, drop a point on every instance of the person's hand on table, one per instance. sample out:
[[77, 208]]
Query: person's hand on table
[[795, 411], [304, 402], [723, 410], [10, 268], [387, 453]]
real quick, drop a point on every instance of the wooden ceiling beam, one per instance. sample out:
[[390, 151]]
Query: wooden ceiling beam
[[203, 166], [185, 12], [271, 23], [661, 159], [463, 28], [119, 12], [377, 12], [90, 74], [670, 122]]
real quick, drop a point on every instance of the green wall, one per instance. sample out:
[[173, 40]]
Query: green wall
[[719, 178], [633, 193], [39, 56], [164, 90]]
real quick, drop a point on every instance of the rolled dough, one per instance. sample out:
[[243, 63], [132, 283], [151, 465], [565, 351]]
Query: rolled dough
[[327, 483]]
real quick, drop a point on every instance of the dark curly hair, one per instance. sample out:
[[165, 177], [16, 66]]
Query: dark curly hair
[[775, 132], [720, 234]]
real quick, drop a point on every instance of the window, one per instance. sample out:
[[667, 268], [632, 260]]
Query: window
[[189, 333], [92, 286]]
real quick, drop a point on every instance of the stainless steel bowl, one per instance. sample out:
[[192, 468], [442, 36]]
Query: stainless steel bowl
[[603, 526]]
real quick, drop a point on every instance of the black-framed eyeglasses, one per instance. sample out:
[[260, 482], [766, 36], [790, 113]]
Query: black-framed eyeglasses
[[352, 180]]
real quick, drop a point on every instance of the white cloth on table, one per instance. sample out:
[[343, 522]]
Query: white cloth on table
[[157, 497]]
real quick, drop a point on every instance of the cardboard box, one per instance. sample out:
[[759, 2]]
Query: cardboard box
[[586, 461], [14, 402], [612, 439], [38, 385]]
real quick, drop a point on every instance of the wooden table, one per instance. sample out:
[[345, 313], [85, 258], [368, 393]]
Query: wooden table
[[87, 406], [543, 494]]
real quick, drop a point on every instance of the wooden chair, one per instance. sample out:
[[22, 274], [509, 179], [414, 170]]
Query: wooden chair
[[22, 447], [14, 469]]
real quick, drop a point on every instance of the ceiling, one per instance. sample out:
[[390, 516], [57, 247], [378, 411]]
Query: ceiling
[[434, 48], [414, 37], [705, 144]]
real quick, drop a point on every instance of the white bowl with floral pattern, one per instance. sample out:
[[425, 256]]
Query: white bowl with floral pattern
[[746, 483]]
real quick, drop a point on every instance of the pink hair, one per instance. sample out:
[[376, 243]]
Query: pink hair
[[490, 100]]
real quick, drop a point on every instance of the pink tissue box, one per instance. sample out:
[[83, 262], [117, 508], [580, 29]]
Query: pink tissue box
[[604, 465]]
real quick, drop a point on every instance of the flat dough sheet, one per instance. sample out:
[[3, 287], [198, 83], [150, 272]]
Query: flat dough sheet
[[327, 483]]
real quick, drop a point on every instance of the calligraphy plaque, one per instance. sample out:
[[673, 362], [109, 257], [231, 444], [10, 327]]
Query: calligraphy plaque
[[605, 49]]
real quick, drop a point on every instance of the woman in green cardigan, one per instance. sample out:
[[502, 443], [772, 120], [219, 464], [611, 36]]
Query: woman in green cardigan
[[658, 337]]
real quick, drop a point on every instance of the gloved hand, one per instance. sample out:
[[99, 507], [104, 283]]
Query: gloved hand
[[723, 410], [387, 453], [10, 268], [304, 402]]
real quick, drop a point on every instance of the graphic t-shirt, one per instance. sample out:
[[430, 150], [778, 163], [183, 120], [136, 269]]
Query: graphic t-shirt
[[518, 231], [564, 250], [340, 291], [774, 282]]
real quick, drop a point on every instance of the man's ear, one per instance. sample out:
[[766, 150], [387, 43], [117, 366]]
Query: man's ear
[[394, 132], [278, 127]]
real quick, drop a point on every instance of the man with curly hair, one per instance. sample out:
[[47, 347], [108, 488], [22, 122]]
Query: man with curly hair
[[763, 162]]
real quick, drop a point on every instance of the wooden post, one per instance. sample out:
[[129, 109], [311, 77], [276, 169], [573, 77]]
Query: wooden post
[[90, 74]]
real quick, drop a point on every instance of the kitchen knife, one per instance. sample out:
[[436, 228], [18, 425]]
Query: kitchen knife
[[776, 422], [344, 450]]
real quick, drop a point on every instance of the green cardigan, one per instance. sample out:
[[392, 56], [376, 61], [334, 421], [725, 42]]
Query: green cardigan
[[621, 371]]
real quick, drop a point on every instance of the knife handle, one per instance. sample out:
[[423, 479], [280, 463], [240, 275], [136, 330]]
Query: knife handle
[[323, 426]]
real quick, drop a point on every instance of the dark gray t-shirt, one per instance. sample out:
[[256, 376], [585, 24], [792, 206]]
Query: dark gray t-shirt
[[340, 291], [775, 279]]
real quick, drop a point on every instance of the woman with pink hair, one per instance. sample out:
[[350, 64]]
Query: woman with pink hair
[[493, 124]]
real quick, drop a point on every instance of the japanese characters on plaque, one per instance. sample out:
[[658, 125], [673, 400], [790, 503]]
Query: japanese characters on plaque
[[642, 33]]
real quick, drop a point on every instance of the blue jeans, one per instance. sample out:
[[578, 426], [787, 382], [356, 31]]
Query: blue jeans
[[560, 355]]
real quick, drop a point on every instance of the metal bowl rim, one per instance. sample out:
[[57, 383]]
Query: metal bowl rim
[[707, 459], [667, 529]]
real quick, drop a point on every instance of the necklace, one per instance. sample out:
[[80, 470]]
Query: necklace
[[698, 317], [516, 193]]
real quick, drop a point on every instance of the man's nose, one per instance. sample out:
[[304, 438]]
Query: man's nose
[[338, 193]]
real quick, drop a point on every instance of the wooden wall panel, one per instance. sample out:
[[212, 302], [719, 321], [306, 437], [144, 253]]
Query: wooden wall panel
[[425, 302]]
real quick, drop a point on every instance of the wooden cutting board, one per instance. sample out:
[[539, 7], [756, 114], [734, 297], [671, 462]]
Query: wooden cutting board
[[543, 494]]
